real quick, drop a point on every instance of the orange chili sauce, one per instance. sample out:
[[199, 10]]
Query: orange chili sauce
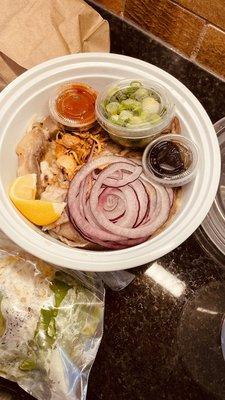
[[77, 102]]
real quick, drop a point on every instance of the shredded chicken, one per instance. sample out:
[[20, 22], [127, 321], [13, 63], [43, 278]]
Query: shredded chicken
[[65, 153], [67, 232], [80, 144], [63, 230], [30, 150], [54, 193], [77, 240], [50, 126], [67, 163], [51, 174]]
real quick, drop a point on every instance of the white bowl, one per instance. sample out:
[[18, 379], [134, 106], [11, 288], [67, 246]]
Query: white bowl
[[28, 95]]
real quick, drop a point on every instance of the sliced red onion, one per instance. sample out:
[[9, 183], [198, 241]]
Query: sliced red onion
[[127, 179], [88, 168], [109, 199], [118, 207], [112, 202], [131, 213], [132, 233], [143, 200], [170, 194], [116, 175]]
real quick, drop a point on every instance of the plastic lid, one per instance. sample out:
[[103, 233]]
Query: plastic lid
[[214, 223], [171, 160]]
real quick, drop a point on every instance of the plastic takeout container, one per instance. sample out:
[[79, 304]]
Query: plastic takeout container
[[138, 135], [211, 234], [73, 123], [28, 95], [181, 179]]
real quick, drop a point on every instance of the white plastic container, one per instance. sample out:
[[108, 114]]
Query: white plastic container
[[29, 94]]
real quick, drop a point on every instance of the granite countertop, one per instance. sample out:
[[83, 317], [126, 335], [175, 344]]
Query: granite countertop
[[162, 336]]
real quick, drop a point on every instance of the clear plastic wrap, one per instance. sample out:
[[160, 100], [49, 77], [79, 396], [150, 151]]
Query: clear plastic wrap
[[51, 323]]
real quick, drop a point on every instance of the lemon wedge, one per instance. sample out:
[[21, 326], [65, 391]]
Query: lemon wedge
[[22, 193], [24, 187]]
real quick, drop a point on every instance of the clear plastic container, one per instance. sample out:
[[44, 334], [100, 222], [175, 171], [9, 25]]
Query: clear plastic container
[[73, 105], [140, 134], [177, 160], [211, 234]]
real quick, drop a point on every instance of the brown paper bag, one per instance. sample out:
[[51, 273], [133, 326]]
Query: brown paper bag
[[33, 31]]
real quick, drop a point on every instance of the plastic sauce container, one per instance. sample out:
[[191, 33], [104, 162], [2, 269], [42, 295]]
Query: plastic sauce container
[[171, 160], [134, 112], [73, 105]]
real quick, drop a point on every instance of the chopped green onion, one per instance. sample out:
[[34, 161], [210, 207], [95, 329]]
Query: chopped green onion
[[133, 105], [136, 84], [141, 93], [135, 120], [144, 116], [130, 91], [120, 95], [114, 118], [125, 115], [150, 105], [111, 99], [113, 107], [155, 118]]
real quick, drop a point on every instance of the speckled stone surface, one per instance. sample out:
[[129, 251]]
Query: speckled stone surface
[[162, 336], [157, 342]]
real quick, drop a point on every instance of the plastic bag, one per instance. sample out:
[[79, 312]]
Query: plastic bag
[[51, 325]]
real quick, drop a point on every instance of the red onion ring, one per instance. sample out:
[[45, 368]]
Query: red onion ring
[[170, 194], [119, 207]]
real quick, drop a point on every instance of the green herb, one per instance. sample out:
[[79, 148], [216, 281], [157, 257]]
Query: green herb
[[27, 365], [60, 288], [45, 333]]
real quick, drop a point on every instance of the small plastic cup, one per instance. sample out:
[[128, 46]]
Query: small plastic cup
[[141, 134], [188, 150], [81, 123]]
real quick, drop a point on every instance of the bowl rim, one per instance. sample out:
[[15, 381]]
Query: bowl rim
[[13, 225]]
